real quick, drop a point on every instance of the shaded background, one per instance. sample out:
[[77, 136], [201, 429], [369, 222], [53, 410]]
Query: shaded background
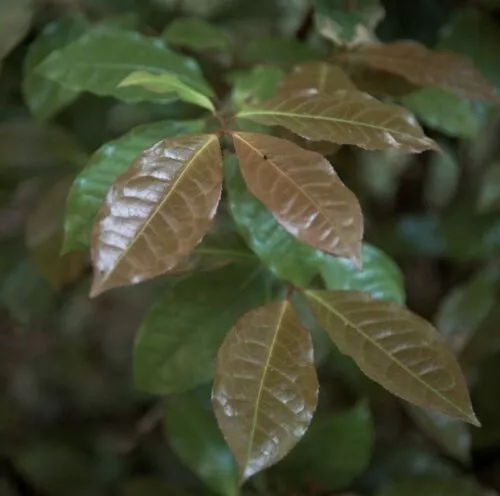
[[71, 422]]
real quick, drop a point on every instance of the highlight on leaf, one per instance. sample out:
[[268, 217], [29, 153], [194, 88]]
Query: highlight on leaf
[[167, 83], [303, 192], [157, 211], [265, 389], [347, 118], [396, 348], [443, 69]]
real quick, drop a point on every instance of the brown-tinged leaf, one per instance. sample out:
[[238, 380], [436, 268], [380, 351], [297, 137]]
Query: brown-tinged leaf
[[265, 390], [44, 238], [443, 69], [325, 148], [303, 192], [347, 118], [157, 211], [396, 348], [312, 78]]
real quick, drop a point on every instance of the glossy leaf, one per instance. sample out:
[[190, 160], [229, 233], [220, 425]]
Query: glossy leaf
[[265, 389], [448, 71], [380, 276], [255, 85], [315, 77], [157, 211], [451, 435], [437, 486], [15, 21], [448, 113], [106, 164], [100, 59], [344, 24], [396, 348], [346, 118], [43, 96], [335, 450], [176, 346], [196, 34], [166, 83], [279, 51], [303, 192], [44, 237], [194, 436], [289, 259], [489, 196]]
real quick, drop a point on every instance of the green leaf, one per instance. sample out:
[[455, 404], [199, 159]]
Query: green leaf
[[396, 348], [279, 51], [196, 34], [335, 450], [435, 486], [380, 276], [166, 83], [100, 59], [337, 21], [177, 343], [448, 113], [451, 435], [193, 434], [92, 184], [282, 253], [43, 96], [255, 85], [489, 195], [15, 21]]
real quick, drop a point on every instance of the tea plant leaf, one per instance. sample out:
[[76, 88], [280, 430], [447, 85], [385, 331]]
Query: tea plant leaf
[[489, 196], [196, 34], [166, 83], [346, 118], [437, 486], [396, 348], [442, 69], [176, 346], [380, 276], [113, 158], [100, 59], [193, 435], [157, 211], [265, 389], [336, 448], [303, 192], [311, 78], [15, 21], [286, 257], [43, 96]]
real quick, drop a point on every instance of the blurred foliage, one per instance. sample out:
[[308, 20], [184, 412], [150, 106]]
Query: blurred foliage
[[71, 421]]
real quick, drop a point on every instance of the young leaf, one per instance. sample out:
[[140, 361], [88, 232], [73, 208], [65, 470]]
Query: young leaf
[[92, 184], [396, 348], [442, 69], [176, 346], [342, 24], [15, 21], [289, 259], [303, 192], [157, 211], [166, 83], [380, 276], [311, 78], [265, 389], [194, 436], [196, 34], [44, 237], [99, 60], [334, 451], [43, 96], [346, 117]]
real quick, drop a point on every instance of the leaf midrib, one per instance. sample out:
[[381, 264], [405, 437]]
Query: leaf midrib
[[312, 294]]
